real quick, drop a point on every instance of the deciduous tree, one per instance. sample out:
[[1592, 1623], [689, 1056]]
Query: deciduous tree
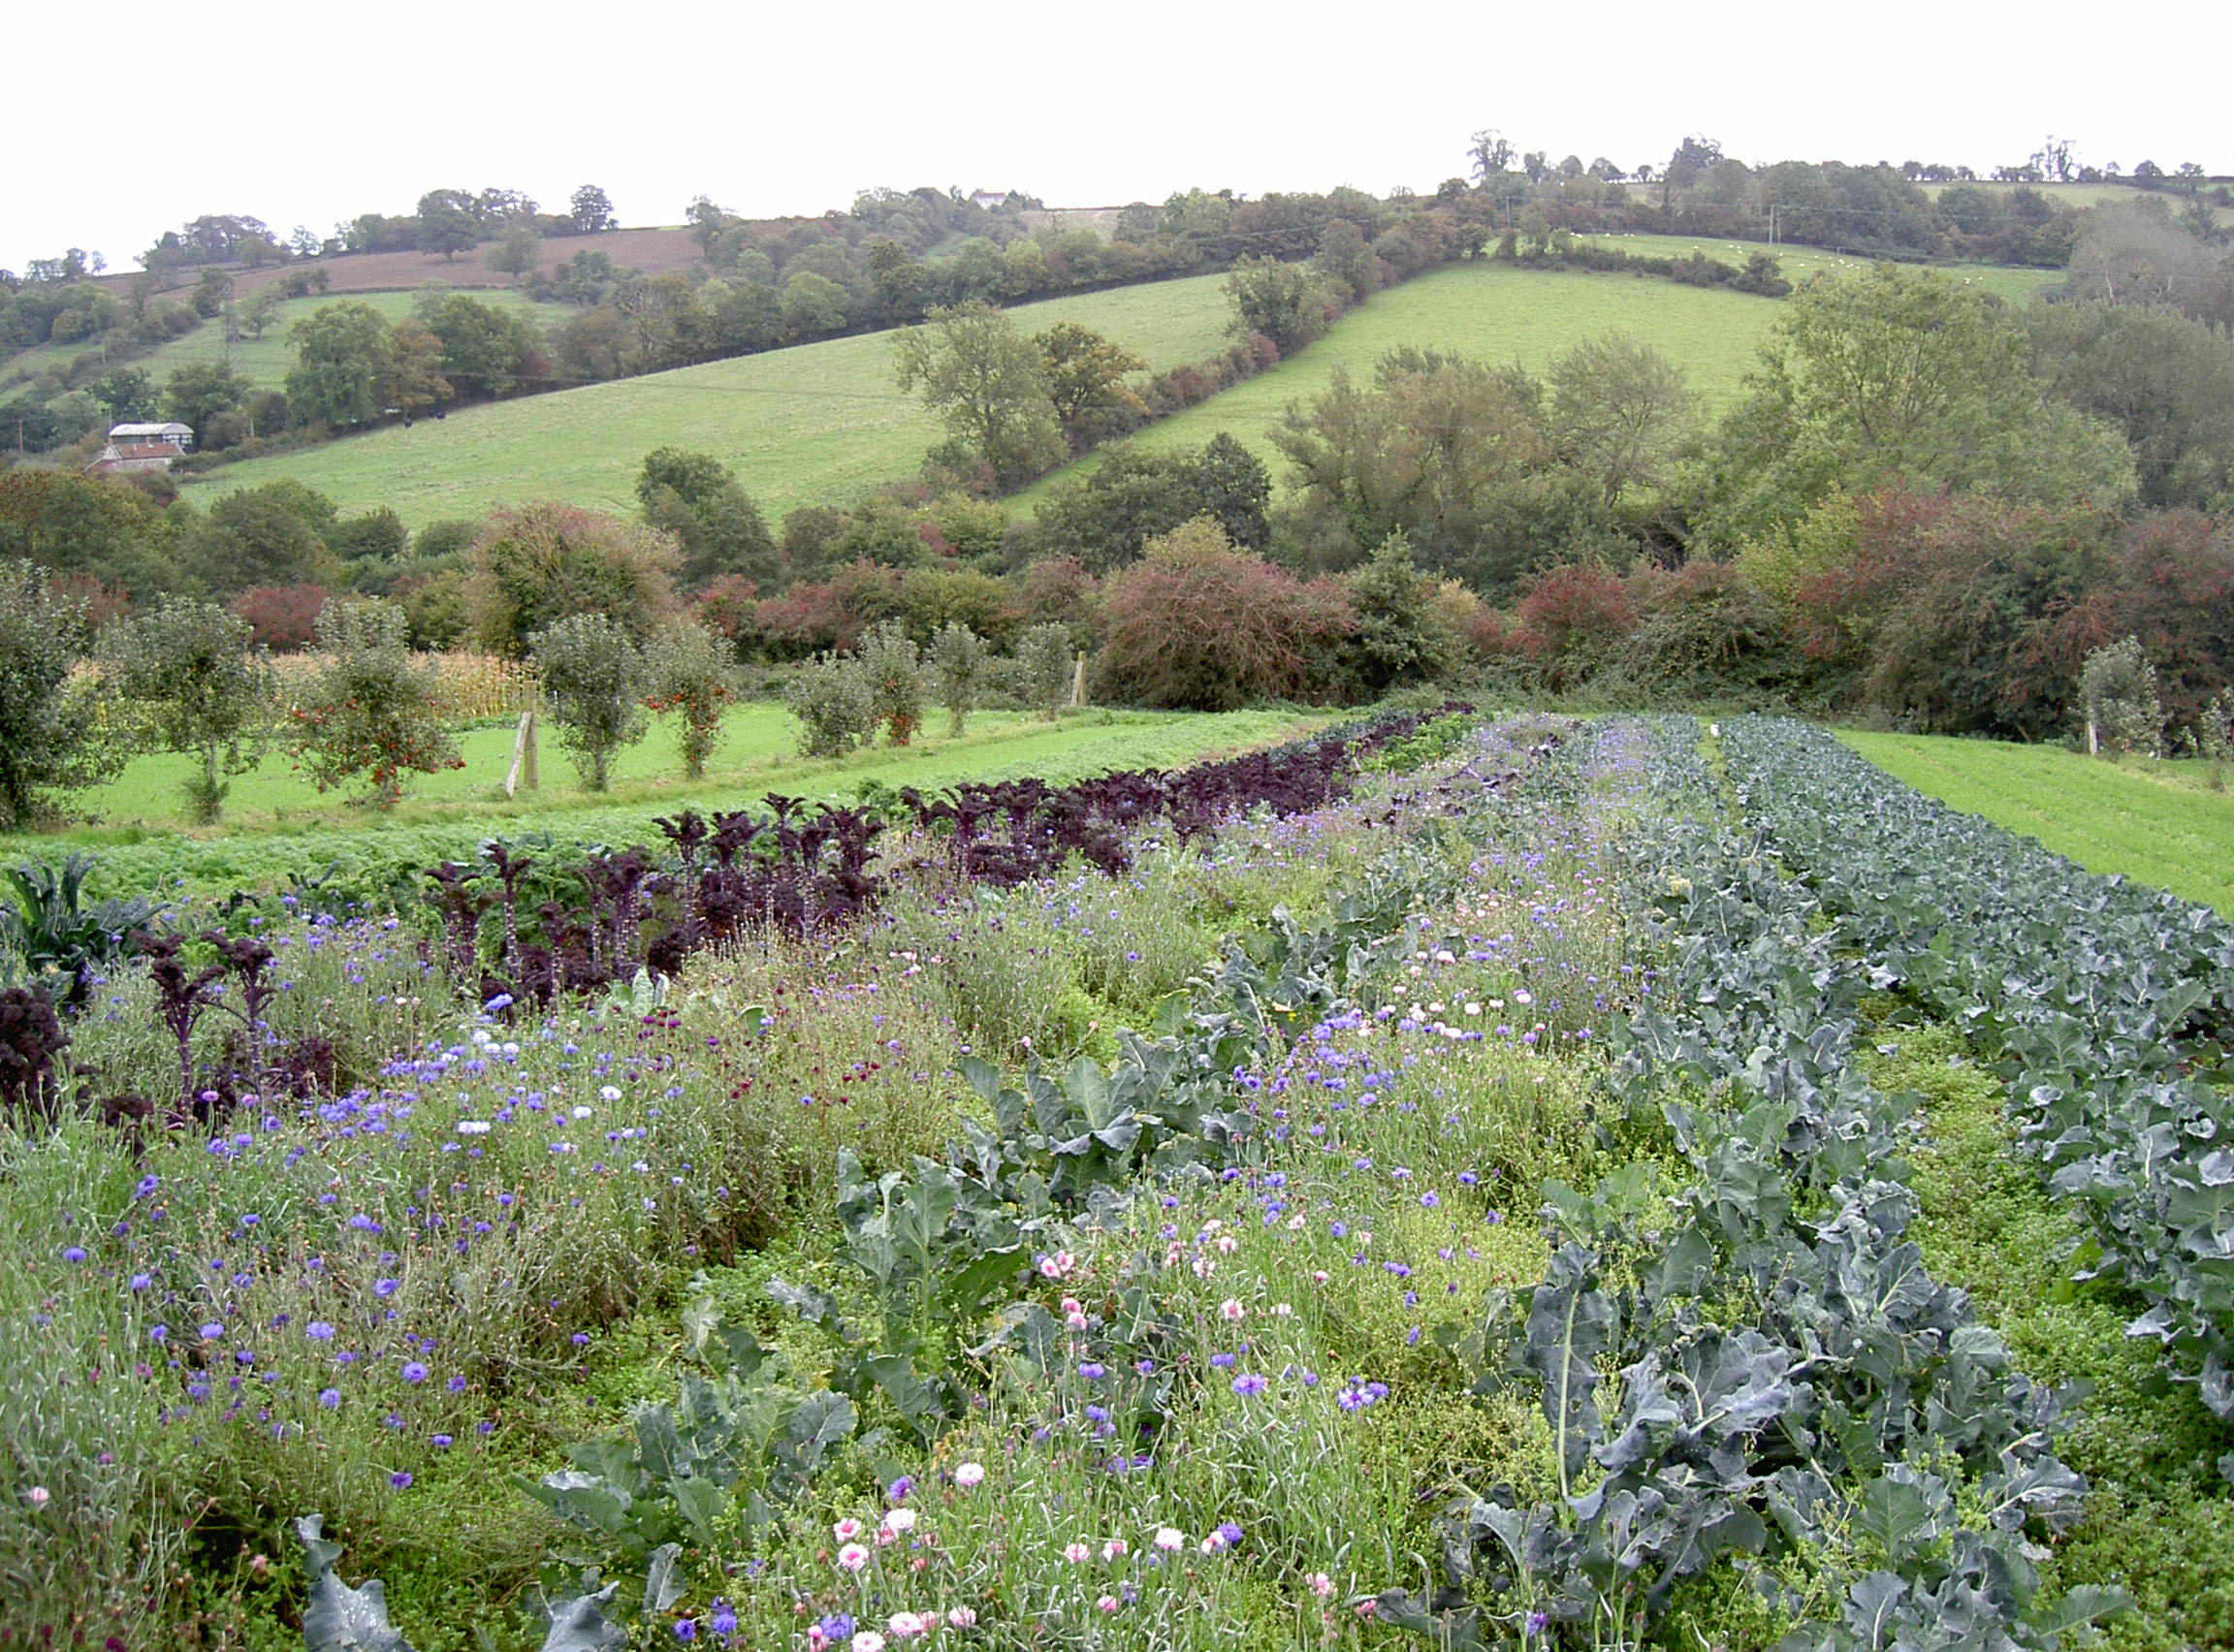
[[49, 745], [1085, 376], [594, 676], [371, 713], [191, 680], [988, 384], [340, 349], [592, 210]]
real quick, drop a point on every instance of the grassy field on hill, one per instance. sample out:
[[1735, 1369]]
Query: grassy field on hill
[[275, 824], [263, 361], [2153, 822], [819, 424], [2011, 282], [1496, 312]]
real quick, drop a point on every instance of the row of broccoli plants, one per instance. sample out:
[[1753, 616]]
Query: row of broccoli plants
[[970, 1241], [1795, 1393], [2106, 1006]]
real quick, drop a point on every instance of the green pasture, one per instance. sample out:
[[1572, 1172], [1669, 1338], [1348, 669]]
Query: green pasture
[[1495, 312], [263, 361], [275, 823], [816, 423], [2153, 822], [2014, 283]]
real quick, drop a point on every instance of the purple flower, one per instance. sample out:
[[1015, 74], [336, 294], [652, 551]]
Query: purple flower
[[724, 1621], [401, 1480], [1092, 1370], [319, 1330], [73, 1253], [330, 1398], [685, 1628], [383, 1287], [1248, 1384], [414, 1372]]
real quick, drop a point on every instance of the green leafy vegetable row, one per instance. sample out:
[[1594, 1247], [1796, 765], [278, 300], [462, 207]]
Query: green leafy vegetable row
[[1793, 1385], [2107, 1007]]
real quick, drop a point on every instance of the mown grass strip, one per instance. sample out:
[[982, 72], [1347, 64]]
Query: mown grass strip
[[258, 847], [2150, 822]]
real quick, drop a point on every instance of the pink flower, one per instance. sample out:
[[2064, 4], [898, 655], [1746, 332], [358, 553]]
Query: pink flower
[[1212, 1543], [1116, 1548], [853, 1557], [1171, 1539], [906, 1624], [1322, 1585], [845, 1531], [1231, 1309], [1106, 1604], [1365, 1608], [962, 1617], [969, 1475], [1077, 1554], [900, 1519], [866, 1641]]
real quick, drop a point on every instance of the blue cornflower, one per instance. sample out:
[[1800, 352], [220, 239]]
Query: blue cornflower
[[1248, 1384]]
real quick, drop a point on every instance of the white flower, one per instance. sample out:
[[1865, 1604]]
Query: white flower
[[472, 1126], [969, 1475]]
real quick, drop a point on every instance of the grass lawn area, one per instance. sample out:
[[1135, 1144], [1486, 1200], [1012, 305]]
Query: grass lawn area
[[818, 423], [2153, 822], [275, 823]]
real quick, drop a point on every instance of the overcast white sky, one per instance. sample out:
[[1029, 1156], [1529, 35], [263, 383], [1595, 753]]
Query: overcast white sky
[[309, 116]]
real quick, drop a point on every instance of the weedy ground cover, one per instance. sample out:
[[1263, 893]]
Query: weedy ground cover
[[2155, 822], [814, 425]]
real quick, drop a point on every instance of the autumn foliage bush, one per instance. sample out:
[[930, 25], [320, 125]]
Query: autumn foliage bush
[[282, 617], [1196, 624], [1571, 620]]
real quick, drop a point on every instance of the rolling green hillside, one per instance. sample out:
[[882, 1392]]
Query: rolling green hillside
[[814, 425], [264, 361], [1495, 312], [821, 424]]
